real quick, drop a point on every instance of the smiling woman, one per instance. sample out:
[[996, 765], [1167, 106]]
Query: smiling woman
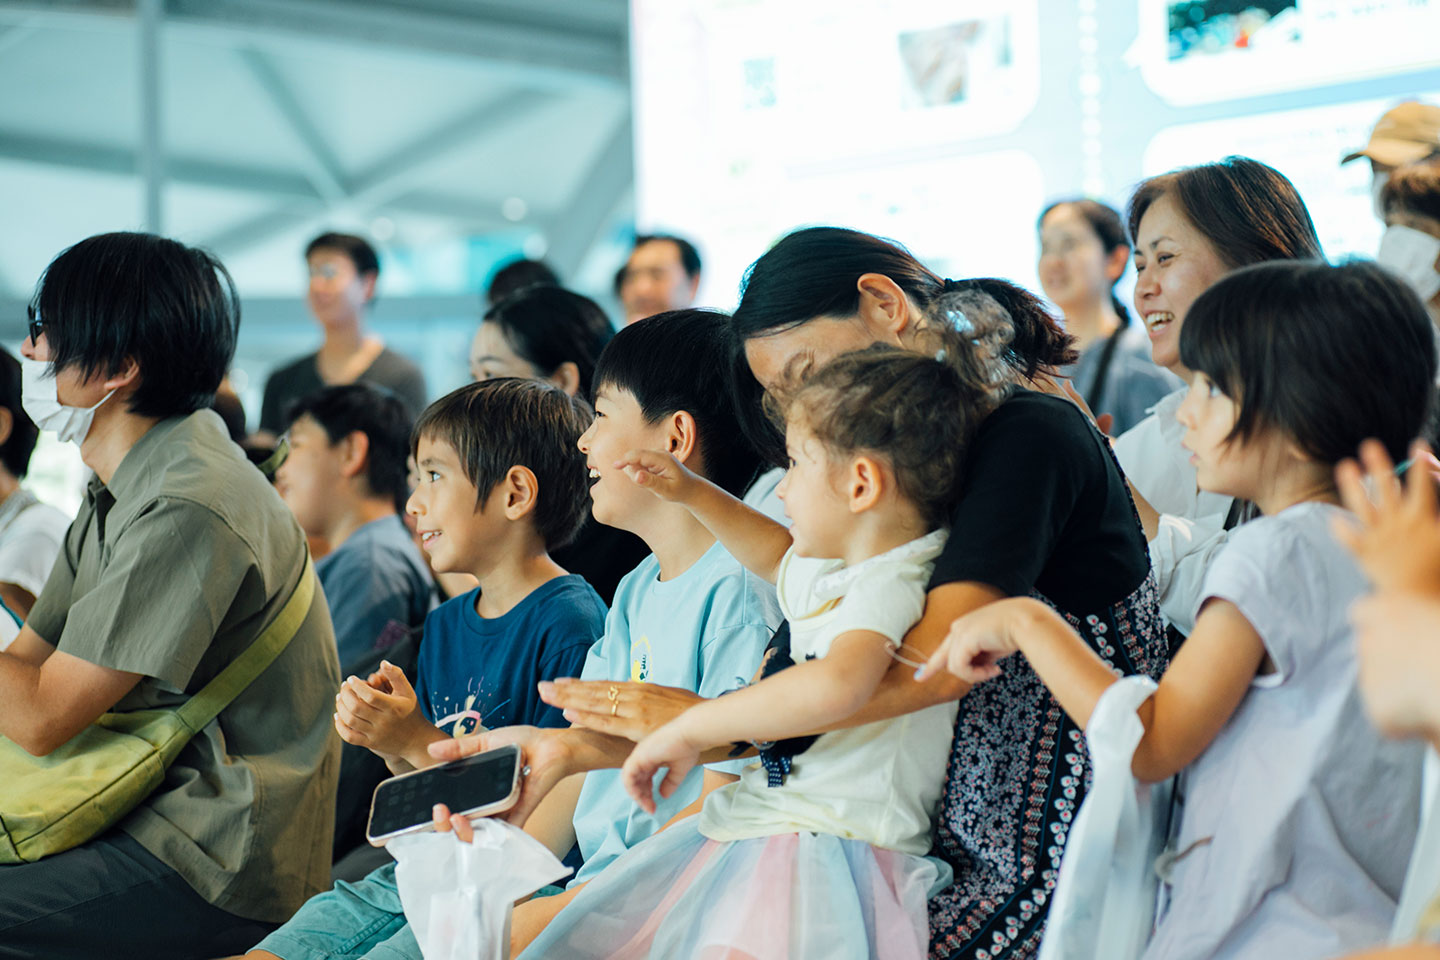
[[1192, 227]]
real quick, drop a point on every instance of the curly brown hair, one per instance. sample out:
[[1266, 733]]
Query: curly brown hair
[[916, 411]]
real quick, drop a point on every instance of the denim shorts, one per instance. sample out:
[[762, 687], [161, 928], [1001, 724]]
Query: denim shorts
[[348, 922]]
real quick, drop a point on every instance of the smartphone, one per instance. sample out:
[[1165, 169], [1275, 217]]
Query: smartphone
[[478, 786]]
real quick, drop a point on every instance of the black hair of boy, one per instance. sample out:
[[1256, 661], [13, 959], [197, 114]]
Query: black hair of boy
[[358, 249], [497, 424], [681, 360], [117, 297], [15, 451], [379, 414], [1356, 346]]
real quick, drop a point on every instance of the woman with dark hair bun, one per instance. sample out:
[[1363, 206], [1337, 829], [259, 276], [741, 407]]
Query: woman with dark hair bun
[[1083, 253], [1041, 510], [1191, 227]]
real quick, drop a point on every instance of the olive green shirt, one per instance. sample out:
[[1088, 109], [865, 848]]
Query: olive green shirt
[[171, 571]]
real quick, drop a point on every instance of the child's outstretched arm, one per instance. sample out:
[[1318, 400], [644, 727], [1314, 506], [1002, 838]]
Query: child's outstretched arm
[[1196, 697], [758, 542], [790, 703], [382, 714]]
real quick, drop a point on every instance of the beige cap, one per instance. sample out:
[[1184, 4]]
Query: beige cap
[[1406, 133]]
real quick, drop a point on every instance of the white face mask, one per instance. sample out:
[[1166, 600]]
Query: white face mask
[[1377, 185], [1412, 254], [39, 397]]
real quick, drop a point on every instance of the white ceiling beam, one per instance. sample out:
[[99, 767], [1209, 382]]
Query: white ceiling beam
[[534, 48], [102, 158], [386, 181], [610, 174], [322, 167]]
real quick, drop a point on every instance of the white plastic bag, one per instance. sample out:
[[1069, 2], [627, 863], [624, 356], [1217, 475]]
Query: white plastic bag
[[1422, 880], [458, 896], [1103, 907]]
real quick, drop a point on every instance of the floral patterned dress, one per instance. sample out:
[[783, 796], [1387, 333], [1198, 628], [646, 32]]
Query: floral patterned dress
[[1018, 772]]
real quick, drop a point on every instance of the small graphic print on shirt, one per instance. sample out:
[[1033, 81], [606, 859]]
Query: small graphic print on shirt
[[640, 660], [465, 720]]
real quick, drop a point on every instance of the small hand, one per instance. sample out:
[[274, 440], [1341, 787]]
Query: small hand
[[542, 752], [977, 642], [635, 710], [1396, 532], [667, 747], [377, 714], [660, 473], [445, 821]]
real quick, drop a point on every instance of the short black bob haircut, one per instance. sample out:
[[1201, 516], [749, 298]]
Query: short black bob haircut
[[680, 360], [15, 451], [1328, 355], [1249, 212], [377, 413], [358, 249], [519, 275], [689, 256], [497, 424], [171, 308], [547, 326]]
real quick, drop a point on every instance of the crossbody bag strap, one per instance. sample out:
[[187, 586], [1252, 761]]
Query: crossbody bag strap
[[216, 695]]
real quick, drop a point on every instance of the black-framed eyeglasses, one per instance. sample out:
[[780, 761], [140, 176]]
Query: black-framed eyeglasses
[[36, 324]]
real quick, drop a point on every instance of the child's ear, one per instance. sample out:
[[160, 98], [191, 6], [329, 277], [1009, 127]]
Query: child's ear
[[522, 492], [354, 451], [864, 484], [683, 436]]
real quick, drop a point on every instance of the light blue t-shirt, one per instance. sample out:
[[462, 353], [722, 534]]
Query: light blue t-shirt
[[706, 630]]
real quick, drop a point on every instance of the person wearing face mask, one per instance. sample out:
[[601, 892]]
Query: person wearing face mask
[[31, 532], [1410, 245], [1083, 252], [1191, 227], [1404, 134], [180, 559]]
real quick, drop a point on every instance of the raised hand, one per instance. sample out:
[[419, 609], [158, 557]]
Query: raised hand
[[1396, 532], [660, 473]]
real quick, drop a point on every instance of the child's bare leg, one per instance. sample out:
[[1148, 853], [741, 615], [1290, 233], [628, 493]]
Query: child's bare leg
[[533, 916]]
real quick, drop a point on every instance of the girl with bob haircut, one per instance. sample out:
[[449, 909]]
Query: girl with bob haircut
[[1285, 848], [1041, 509], [1191, 227]]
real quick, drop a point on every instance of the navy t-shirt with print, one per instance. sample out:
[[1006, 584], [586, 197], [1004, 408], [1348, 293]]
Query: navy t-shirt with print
[[476, 672]]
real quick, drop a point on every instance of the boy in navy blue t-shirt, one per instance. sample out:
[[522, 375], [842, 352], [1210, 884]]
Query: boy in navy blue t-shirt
[[502, 483]]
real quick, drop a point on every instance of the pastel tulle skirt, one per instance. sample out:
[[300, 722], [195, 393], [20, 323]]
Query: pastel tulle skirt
[[679, 895]]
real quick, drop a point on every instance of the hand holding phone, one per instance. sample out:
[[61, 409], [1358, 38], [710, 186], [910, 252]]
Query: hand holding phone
[[480, 786]]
